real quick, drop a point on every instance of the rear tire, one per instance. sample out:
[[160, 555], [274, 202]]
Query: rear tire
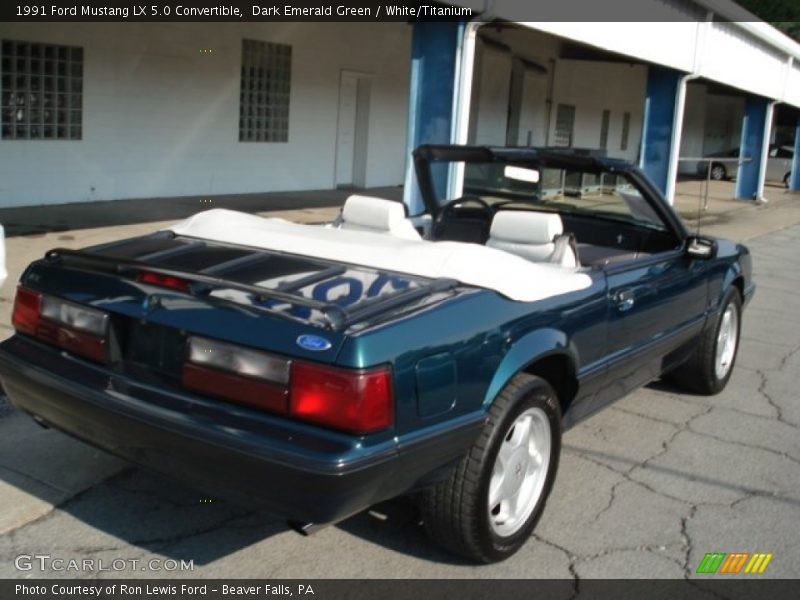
[[709, 368], [487, 509]]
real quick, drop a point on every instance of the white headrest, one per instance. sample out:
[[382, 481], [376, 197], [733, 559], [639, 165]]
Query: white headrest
[[373, 213], [526, 227], [367, 213]]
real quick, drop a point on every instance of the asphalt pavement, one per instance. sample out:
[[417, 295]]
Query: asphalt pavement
[[645, 488]]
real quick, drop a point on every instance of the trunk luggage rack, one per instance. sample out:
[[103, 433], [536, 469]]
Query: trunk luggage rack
[[337, 317]]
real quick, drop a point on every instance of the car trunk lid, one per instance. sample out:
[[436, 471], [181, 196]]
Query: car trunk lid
[[161, 289]]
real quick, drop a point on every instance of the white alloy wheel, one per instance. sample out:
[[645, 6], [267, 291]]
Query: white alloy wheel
[[519, 472], [727, 338]]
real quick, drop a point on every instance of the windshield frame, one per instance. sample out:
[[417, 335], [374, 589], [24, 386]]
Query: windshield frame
[[426, 156]]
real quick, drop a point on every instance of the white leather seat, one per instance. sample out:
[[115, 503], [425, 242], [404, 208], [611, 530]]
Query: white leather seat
[[535, 236], [367, 213]]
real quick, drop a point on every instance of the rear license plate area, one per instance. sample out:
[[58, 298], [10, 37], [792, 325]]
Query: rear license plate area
[[156, 347]]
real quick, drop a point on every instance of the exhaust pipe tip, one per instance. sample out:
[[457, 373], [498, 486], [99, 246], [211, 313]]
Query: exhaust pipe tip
[[304, 529], [40, 422]]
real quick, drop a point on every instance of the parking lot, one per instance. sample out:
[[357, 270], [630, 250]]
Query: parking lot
[[645, 488]]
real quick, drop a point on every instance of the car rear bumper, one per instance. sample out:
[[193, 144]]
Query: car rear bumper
[[300, 472]]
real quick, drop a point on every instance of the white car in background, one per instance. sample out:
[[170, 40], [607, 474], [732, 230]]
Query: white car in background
[[779, 164]]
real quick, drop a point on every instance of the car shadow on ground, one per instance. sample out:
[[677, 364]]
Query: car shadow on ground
[[164, 517], [161, 516], [397, 525], [132, 507], [667, 386], [125, 506]]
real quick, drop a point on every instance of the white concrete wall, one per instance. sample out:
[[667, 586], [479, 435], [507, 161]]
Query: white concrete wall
[[665, 43], [734, 50], [540, 52], [593, 86], [722, 52], [161, 118], [792, 93], [738, 59], [711, 123], [723, 123], [533, 113]]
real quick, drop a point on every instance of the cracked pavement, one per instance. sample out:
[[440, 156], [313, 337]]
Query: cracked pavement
[[645, 488]]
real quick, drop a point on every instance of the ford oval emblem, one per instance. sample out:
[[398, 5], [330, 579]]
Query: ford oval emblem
[[314, 343]]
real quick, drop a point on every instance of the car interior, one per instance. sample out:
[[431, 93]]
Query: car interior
[[585, 220], [571, 218]]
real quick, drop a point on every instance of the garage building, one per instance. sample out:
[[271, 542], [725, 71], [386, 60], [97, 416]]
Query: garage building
[[107, 111]]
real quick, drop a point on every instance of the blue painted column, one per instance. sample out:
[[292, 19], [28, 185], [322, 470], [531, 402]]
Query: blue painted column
[[658, 124], [754, 142], [435, 50], [794, 178]]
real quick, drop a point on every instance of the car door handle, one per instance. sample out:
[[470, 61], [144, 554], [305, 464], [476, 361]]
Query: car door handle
[[624, 300]]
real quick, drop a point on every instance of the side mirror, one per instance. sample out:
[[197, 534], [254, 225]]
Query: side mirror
[[701, 247]]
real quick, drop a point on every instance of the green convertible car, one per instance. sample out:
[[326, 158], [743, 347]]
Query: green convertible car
[[319, 369]]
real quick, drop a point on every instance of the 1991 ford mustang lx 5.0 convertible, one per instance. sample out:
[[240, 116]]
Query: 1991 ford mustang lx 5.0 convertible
[[319, 369]]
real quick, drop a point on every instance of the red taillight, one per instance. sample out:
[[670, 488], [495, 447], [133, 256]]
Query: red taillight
[[77, 342], [235, 373], [27, 307], [243, 390], [73, 327], [359, 401], [167, 281]]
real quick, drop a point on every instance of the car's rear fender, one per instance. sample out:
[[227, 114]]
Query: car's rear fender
[[526, 351]]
